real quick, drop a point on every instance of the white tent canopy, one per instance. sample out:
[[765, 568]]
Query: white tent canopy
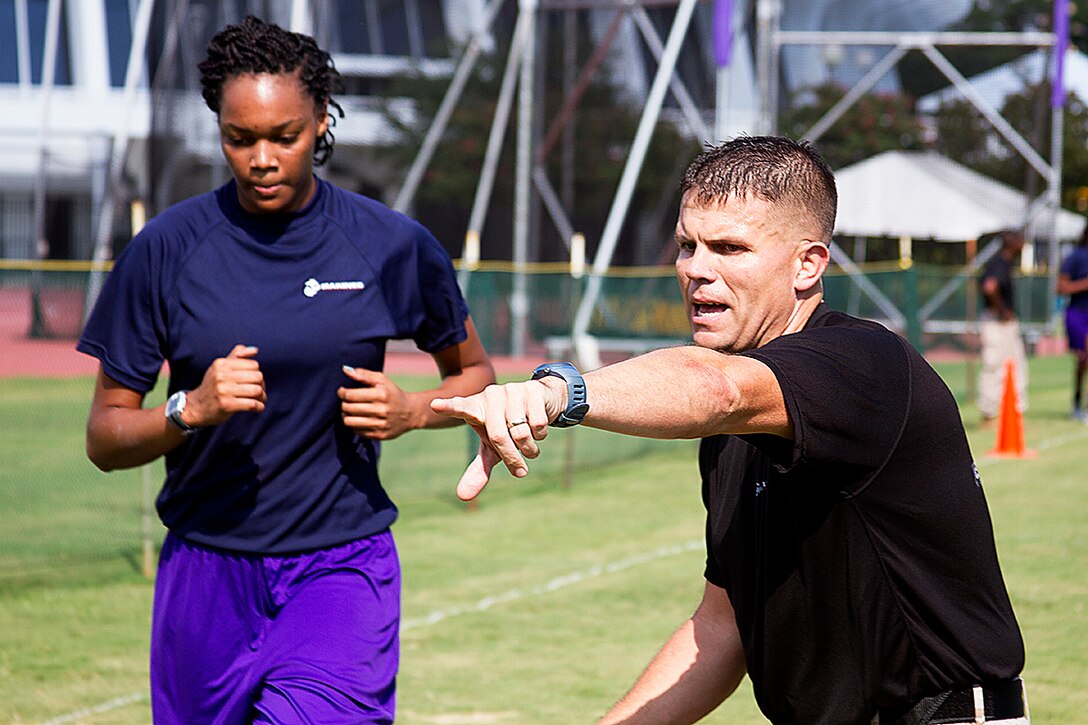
[[924, 195]]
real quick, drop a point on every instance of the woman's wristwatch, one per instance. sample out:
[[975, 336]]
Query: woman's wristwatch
[[577, 407], [175, 405]]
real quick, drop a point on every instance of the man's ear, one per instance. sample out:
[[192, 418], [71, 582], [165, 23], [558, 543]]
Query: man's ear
[[322, 117], [814, 258]]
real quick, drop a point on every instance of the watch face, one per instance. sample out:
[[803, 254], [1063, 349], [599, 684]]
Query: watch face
[[175, 404]]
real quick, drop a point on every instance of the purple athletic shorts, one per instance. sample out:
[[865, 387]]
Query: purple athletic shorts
[[312, 637], [1076, 327]]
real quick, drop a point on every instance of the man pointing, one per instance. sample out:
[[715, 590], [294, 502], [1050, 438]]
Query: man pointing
[[851, 571]]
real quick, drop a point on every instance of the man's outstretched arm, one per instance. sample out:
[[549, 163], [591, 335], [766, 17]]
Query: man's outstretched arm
[[700, 666], [681, 392]]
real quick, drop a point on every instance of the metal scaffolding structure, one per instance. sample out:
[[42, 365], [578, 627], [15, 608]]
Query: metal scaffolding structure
[[771, 40], [1048, 204], [535, 140], [530, 176]]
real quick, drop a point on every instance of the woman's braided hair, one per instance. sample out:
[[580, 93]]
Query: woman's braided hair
[[254, 46]]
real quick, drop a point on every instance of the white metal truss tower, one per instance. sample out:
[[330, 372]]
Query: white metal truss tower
[[530, 177], [772, 39]]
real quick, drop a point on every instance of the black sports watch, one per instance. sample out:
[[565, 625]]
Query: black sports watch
[[175, 404], [577, 407]]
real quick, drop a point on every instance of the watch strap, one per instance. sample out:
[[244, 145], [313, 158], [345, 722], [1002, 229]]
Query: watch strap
[[577, 405]]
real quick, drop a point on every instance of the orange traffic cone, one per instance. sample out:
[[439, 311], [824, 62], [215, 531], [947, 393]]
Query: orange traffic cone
[[1010, 421]]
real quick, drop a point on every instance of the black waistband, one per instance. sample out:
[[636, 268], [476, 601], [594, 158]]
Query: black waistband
[[1003, 700]]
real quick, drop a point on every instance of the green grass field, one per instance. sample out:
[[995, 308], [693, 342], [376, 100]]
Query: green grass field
[[538, 606]]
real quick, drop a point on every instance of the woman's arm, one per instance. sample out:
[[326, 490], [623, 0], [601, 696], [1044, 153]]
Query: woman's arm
[[376, 407], [1069, 286], [121, 433]]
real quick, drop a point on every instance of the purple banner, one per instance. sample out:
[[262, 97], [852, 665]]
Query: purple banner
[[723, 32], [1061, 32]]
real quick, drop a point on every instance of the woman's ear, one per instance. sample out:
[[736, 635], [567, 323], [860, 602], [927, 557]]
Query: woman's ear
[[814, 258]]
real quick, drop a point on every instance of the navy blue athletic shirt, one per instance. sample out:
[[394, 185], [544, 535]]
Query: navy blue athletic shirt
[[1076, 266], [314, 290]]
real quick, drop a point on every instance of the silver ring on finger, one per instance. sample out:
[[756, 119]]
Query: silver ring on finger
[[514, 423]]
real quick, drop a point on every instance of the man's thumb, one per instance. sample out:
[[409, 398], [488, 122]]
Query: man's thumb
[[475, 477]]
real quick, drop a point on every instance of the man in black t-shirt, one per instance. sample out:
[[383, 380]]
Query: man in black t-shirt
[[999, 328], [851, 570]]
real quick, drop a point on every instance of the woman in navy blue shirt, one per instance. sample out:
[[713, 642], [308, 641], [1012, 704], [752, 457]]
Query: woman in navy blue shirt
[[272, 299]]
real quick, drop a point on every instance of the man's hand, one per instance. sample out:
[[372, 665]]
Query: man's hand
[[509, 419], [377, 407], [231, 384]]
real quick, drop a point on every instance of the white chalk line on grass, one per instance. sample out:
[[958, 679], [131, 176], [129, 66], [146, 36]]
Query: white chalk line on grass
[[553, 585], [1055, 442], [113, 704], [440, 615], [1061, 440]]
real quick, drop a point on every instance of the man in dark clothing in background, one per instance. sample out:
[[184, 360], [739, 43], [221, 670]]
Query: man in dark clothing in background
[[999, 328]]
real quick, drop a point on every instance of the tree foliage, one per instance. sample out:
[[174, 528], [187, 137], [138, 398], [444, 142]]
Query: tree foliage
[[877, 122], [964, 135], [881, 121], [919, 77]]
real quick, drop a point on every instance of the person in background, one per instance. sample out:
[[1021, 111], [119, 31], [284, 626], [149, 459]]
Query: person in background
[[1073, 281], [272, 299], [851, 570], [999, 328]]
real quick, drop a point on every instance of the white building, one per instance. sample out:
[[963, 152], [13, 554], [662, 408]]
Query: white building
[[63, 113]]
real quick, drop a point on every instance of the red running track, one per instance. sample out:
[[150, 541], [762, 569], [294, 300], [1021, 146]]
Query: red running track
[[23, 356]]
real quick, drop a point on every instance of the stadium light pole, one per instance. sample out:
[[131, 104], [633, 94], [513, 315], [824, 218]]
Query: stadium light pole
[[22, 43], [724, 14], [768, 13], [1060, 25], [300, 17]]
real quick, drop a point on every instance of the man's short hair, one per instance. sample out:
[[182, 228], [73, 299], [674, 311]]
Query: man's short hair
[[772, 168]]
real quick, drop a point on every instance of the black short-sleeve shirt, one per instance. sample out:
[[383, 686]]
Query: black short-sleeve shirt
[[1000, 269], [859, 557]]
